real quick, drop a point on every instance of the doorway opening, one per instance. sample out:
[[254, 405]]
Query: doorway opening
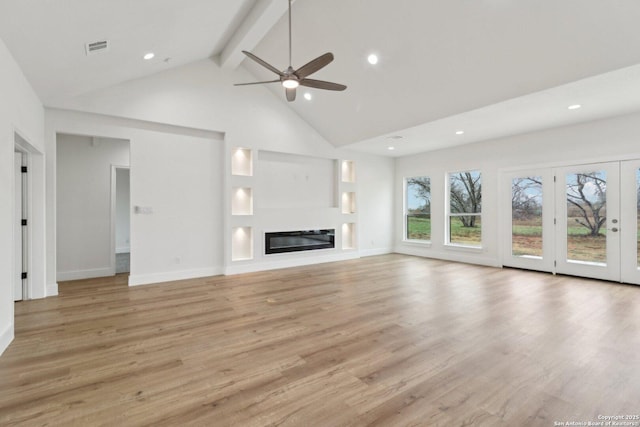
[[92, 204]]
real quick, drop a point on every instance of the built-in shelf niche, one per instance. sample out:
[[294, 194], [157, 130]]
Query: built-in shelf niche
[[348, 202], [241, 243], [348, 171], [241, 201], [242, 162], [349, 236]]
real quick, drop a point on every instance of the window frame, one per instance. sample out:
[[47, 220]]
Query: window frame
[[449, 215], [405, 213]]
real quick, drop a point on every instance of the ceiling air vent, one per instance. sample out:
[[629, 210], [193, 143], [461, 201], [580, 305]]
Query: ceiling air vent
[[97, 47]]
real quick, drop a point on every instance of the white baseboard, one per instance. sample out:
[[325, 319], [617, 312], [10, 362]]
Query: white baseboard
[[84, 274], [375, 252], [6, 337], [288, 263], [123, 250], [468, 258], [52, 289], [170, 276]]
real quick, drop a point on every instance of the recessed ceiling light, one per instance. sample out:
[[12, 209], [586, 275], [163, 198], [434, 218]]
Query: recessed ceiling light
[[391, 148], [460, 132], [574, 106], [149, 55], [373, 59], [307, 96]]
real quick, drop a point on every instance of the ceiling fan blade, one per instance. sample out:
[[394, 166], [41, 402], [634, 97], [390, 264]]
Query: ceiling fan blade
[[315, 65], [256, 83], [320, 84], [263, 63], [291, 95]]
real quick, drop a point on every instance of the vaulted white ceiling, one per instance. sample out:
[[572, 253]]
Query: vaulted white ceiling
[[488, 67], [47, 38]]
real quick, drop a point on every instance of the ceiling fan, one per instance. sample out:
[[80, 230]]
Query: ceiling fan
[[291, 78]]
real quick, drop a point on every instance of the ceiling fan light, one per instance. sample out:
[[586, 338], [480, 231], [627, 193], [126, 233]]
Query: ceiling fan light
[[290, 83]]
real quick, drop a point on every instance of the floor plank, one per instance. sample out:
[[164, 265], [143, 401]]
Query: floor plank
[[389, 340]]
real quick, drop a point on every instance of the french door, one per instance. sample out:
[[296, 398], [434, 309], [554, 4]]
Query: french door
[[629, 221], [588, 221], [580, 220]]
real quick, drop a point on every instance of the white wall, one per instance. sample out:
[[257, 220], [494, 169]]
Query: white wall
[[202, 96], [375, 203], [20, 112], [611, 139], [180, 178], [83, 188], [175, 172], [123, 211]]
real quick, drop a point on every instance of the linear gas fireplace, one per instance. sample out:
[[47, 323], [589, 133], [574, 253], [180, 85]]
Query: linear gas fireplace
[[302, 240]]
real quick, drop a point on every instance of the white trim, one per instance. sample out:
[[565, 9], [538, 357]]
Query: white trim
[[6, 337], [112, 214], [288, 263], [455, 256], [375, 252], [123, 250], [52, 289], [170, 276], [461, 247], [417, 243], [84, 274], [36, 214]]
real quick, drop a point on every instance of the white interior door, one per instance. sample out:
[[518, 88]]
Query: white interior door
[[528, 231], [17, 227], [630, 218], [588, 220]]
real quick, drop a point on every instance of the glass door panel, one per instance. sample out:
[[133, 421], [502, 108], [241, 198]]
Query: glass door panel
[[526, 216], [586, 216], [587, 231]]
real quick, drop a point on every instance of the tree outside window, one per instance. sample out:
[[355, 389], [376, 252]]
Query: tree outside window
[[418, 209]]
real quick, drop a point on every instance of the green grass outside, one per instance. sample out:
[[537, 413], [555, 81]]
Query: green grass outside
[[461, 235], [527, 238], [418, 228]]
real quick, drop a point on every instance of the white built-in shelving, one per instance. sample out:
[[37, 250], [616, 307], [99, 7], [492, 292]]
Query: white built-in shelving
[[348, 236], [242, 204], [242, 162], [241, 201], [348, 204], [241, 243], [348, 171]]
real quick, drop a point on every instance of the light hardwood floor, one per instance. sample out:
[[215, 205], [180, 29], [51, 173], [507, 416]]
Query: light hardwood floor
[[390, 340]]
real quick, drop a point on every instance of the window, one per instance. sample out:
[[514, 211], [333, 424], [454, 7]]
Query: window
[[465, 209], [418, 208]]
